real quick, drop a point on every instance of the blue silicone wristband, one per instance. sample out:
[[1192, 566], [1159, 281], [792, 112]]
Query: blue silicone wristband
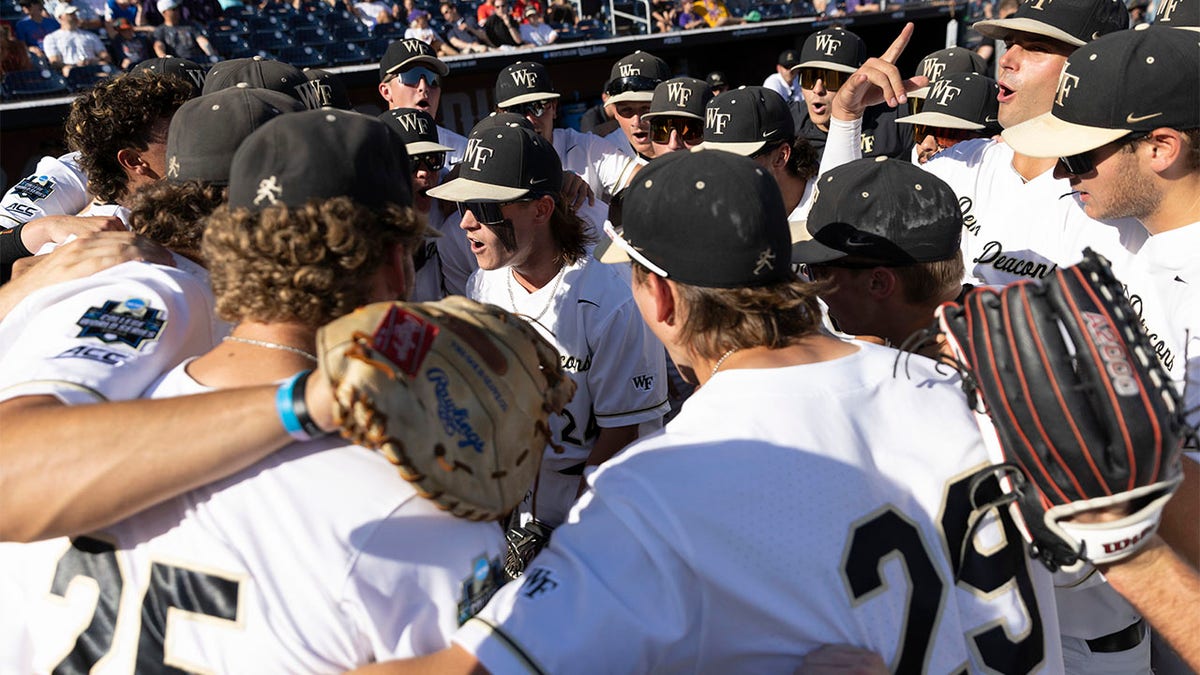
[[285, 406]]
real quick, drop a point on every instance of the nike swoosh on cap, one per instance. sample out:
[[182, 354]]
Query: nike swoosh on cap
[[769, 133], [535, 181], [1130, 119]]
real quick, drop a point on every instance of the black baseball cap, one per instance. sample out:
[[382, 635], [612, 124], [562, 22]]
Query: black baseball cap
[[789, 58], [634, 78], [497, 120], [173, 65], [416, 128], [206, 131], [523, 82], [1126, 82], [678, 220], [1178, 14], [502, 164], [1075, 22], [960, 101], [320, 154], [745, 120], [680, 97], [716, 79], [257, 72], [881, 209], [945, 62], [402, 54], [326, 89], [834, 48]]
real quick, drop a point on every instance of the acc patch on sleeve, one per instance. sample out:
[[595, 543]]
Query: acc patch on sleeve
[[130, 322]]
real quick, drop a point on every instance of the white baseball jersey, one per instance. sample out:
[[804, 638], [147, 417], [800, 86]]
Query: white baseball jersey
[[107, 336], [617, 364], [1015, 229], [456, 142], [789, 92], [781, 510], [57, 187], [601, 164], [319, 558]]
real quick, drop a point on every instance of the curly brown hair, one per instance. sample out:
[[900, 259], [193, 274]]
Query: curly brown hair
[[716, 320], [125, 112], [306, 265], [173, 214]]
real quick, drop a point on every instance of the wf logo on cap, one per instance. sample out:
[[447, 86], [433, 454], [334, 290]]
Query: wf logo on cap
[[678, 93], [314, 94], [1166, 9], [932, 69], [414, 122], [1039, 5], [944, 92], [413, 46], [828, 44], [477, 154], [525, 78], [629, 70], [716, 120], [1066, 84]]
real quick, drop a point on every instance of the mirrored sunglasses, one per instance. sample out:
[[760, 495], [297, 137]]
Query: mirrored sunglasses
[[531, 109], [631, 83], [943, 136], [413, 76], [432, 161], [690, 131], [833, 79]]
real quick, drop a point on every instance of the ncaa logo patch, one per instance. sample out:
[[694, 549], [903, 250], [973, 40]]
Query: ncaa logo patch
[[130, 322], [34, 188]]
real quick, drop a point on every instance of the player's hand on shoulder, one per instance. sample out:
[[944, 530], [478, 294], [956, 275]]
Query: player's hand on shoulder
[[877, 81], [575, 191], [57, 229], [842, 660]]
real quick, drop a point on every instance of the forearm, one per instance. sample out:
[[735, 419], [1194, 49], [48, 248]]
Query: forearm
[[74, 469], [1166, 591], [611, 441]]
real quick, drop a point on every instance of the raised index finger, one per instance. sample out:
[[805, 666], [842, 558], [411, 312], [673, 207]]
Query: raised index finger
[[897, 48]]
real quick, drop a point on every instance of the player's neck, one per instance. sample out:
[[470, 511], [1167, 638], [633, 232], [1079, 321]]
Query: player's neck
[[814, 348], [256, 353], [1179, 206], [1032, 167], [538, 270]]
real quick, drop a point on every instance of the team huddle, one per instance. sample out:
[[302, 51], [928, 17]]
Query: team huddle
[[849, 373]]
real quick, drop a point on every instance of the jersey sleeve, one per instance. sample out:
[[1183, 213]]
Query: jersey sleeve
[[57, 187], [108, 341], [612, 165], [628, 377], [589, 586]]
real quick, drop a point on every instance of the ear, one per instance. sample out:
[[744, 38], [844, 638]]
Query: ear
[[386, 93], [883, 283], [130, 160], [395, 278], [781, 158], [543, 208], [662, 293], [1168, 150]]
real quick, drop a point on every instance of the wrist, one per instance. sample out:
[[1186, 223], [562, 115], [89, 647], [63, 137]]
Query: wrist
[[292, 406]]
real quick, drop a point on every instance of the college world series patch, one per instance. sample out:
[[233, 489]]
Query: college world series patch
[[130, 322], [34, 188]]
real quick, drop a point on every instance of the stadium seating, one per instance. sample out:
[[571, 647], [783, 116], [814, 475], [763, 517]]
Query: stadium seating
[[34, 83]]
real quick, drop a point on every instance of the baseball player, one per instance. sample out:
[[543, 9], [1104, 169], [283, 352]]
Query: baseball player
[[208, 582], [1136, 156], [531, 253], [427, 158], [410, 76], [677, 114], [957, 107], [108, 336], [1018, 225], [827, 59], [57, 186], [630, 89], [885, 240], [755, 122], [814, 511]]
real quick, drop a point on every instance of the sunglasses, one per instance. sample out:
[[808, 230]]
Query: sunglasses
[[940, 134], [632, 83], [690, 131], [815, 270], [488, 213], [432, 161], [833, 79], [413, 76], [532, 109], [1085, 162]]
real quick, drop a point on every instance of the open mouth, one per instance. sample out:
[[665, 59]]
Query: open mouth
[[422, 104], [1006, 93], [476, 245]]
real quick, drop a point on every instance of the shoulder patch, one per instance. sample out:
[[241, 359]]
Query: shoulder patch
[[34, 188], [130, 322]]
